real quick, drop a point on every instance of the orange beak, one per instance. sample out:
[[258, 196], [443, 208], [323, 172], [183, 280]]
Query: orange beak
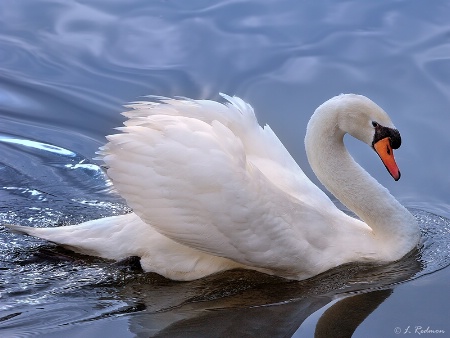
[[384, 150]]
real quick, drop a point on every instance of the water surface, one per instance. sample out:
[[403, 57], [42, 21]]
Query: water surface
[[66, 68]]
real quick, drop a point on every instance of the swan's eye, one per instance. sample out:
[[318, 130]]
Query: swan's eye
[[375, 124]]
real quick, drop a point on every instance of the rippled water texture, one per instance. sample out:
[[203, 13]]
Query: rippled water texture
[[66, 67]]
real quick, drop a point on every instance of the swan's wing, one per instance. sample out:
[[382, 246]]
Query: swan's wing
[[200, 181], [261, 146]]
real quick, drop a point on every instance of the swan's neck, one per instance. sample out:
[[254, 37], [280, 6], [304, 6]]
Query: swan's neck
[[395, 231]]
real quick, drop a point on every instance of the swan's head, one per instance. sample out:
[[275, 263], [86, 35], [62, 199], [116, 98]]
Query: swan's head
[[366, 121]]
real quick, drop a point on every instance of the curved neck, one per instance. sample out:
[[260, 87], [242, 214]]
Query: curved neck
[[394, 228]]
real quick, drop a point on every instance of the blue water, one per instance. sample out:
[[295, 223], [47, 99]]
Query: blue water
[[66, 69]]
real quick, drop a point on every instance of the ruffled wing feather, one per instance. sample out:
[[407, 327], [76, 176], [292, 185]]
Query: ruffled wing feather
[[208, 176]]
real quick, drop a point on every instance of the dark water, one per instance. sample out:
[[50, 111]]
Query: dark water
[[66, 67]]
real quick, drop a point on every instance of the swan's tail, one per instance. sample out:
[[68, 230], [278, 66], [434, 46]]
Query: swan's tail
[[105, 237], [120, 237]]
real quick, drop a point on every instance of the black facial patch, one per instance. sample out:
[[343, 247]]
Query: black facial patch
[[382, 132]]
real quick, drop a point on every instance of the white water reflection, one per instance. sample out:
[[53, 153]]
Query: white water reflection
[[37, 145]]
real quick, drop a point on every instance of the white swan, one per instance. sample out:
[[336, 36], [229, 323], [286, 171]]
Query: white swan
[[211, 190]]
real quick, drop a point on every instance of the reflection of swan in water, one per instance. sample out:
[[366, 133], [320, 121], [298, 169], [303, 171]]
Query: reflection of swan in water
[[247, 304], [339, 320], [211, 190]]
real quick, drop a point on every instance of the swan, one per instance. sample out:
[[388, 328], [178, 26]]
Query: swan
[[212, 190]]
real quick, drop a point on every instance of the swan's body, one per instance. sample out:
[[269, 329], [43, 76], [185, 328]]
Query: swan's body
[[211, 190]]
